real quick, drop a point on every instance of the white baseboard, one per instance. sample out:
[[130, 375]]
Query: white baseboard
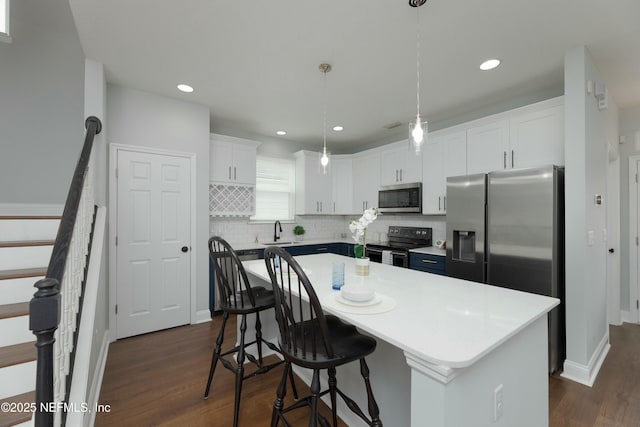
[[30, 209], [586, 374], [626, 317], [203, 316], [93, 396]]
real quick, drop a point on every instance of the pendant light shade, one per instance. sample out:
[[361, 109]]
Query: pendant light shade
[[418, 133], [418, 127]]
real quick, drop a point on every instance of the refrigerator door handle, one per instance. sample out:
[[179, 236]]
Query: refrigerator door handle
[[504, 159], [513, 165]]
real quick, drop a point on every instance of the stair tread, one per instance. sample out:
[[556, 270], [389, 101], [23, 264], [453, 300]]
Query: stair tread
[[17, 353], [23, 272], [29, 217], [24, 243], [14, 310], [8, 418]]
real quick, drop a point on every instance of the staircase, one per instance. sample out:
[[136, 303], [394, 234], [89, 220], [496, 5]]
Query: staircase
[[25, 248]]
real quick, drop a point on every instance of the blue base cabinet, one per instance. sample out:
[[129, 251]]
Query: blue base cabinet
[[429, 263]]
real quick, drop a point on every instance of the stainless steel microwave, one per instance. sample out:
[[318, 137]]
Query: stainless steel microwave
[[401, 198]]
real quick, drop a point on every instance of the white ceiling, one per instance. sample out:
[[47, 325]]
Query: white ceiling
[[255, 63]]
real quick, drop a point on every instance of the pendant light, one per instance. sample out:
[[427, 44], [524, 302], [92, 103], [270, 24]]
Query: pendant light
[[418, 127], [324, 158]]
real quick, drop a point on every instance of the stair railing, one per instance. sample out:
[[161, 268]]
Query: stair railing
[[54, 311]]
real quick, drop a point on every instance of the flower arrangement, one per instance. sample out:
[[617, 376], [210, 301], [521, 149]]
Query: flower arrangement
[[358, 228]]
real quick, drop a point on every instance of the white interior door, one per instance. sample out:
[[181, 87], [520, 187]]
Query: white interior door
[[153, 242]]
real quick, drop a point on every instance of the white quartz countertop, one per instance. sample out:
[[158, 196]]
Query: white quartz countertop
[[430, 250], [442, 320]]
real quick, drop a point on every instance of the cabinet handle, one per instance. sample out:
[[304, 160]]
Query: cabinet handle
[[428, 261], [229, 173], [445, 203], [504, 160], [396, 175], [234, 173], [334, 207], [512, 161], [439, 203], [322, 249], [363, 205], [366, 204], [320, 206], [317, 206], [400, 175]]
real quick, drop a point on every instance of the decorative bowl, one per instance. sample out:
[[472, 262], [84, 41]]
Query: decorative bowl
[[356, 292]]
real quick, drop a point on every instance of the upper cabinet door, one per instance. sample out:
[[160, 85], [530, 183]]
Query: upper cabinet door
[[366, 181], [342, 191], [244, 164], [233, 163], [537, 138], [444, 156], [313, 187], [433, 178], [488, 147], [220, 157], [400, 165]]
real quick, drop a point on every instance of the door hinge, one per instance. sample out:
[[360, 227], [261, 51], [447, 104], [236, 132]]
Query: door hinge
[[637, 304], [116, 308], [117, 174], [636, 240], [636, 178], [116, 240]]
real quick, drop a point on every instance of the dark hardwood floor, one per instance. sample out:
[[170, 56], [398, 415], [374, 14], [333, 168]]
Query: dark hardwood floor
[[158, 380], [614, 399]]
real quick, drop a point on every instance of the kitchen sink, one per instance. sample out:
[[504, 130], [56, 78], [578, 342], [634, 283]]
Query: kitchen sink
[[279, 243]]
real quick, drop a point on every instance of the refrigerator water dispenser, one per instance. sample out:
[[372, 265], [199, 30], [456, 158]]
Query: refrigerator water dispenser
[[464, 245]]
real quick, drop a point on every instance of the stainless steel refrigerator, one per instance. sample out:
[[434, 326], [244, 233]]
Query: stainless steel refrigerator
[[506, 228]]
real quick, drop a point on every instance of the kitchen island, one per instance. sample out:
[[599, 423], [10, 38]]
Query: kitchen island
[[450, 352]]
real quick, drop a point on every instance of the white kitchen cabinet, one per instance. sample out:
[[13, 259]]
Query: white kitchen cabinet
[[366, 181], [487, 147], [400, 165], [536, 138], [232, 162], [445, 155], [313, 187], [528, 137], [342, 191]]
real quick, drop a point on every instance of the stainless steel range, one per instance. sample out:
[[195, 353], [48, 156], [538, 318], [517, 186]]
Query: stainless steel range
[[401, 240]]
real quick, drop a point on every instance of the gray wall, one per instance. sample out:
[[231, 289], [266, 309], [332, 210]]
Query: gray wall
[[144, 119], [41, 103], [629, 126], [586, 131]]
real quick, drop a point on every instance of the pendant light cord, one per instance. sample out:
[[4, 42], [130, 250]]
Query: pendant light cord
[[324, 114], [418, 62]]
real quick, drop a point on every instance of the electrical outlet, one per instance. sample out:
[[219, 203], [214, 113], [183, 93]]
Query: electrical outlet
[[497, 403]]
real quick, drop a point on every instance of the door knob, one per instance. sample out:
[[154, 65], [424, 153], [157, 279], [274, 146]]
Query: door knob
[[611, 250], [185, 249]]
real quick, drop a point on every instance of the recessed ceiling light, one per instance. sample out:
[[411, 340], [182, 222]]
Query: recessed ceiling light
[[489, 64], [185, 88], [281, 132], [338, 128]]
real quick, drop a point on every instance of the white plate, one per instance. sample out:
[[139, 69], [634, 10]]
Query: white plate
[[373, 301]]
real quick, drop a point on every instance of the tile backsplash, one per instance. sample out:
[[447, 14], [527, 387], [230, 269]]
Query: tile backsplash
[[240, 230]]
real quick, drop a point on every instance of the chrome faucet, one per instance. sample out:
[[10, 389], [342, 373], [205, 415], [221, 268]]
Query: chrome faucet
[[276, 237]]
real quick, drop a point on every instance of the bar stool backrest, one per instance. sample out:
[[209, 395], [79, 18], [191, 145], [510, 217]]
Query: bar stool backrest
[[303, 326], [231, 278]]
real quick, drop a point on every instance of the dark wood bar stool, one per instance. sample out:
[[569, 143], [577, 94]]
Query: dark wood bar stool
[[238, 297], [313, 340]]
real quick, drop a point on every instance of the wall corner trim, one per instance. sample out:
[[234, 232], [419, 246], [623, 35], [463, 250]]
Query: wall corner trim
[[586, 374]]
